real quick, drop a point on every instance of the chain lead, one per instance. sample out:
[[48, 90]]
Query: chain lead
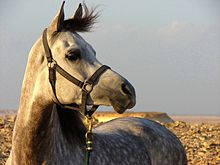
[[89, 138], [89, 134]]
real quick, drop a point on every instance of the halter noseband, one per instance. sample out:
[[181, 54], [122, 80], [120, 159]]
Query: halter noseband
[[86, 86]]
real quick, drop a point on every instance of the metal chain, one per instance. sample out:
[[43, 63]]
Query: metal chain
[[89, 138]]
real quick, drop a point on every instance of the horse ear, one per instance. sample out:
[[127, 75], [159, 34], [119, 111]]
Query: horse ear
[[79, 12], [56, 24]]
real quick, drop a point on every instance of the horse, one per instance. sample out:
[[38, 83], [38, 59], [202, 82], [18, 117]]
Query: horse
[[50, 129]]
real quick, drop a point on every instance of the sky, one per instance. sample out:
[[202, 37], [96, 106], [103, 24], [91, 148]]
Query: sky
[[169, 50]]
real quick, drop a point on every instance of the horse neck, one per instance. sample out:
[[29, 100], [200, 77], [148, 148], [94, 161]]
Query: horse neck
[[47, 129], [32, 102]]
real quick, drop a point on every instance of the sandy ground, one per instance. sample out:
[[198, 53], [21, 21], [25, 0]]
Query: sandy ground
[[201, 138]]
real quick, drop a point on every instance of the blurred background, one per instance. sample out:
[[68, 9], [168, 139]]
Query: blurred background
[[169, 50]]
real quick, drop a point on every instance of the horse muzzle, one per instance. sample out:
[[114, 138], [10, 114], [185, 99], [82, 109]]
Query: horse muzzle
[[125, 100]]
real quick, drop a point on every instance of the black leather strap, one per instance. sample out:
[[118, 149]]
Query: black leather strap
[[46, 47], [97, 73], [68, 76], [86, 86], [91, 81]]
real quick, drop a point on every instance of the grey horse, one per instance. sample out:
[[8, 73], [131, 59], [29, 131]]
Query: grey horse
[[46, 133]]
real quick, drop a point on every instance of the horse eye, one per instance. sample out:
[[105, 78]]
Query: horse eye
[[73, 55]]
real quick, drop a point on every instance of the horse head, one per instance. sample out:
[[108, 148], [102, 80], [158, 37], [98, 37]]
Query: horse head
[[78, 59]]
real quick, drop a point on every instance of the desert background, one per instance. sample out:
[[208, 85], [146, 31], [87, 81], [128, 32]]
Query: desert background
[[200, 135]]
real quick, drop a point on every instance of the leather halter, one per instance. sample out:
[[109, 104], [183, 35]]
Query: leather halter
[[86, 86]]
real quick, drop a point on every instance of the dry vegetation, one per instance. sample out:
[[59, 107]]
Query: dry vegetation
[[201, 141]]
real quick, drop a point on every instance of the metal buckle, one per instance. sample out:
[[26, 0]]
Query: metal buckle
[[52, 64], [87, 87]]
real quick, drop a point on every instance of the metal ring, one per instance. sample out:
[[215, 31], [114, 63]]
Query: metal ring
[[52, 64], [87, 87]]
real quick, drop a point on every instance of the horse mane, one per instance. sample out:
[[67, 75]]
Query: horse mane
[[72, 125], [84, 23]]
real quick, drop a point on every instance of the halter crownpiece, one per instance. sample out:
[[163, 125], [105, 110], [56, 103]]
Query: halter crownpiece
[[86, 86]]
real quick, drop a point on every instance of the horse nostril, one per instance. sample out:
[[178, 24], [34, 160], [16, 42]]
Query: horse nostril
[[126, 89]]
